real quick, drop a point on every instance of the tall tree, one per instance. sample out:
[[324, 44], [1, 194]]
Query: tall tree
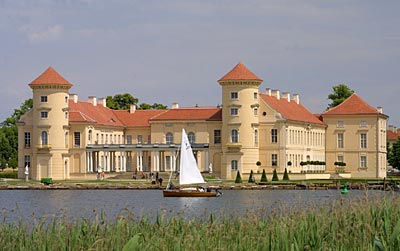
[[394, 157], [124, 101], [340, 93], [121, 101], [12, 120], [155, 106], [9, 136]]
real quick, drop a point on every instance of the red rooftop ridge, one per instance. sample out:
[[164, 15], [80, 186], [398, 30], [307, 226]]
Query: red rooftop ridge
[[240, 72], [50, 77], [352, 105]]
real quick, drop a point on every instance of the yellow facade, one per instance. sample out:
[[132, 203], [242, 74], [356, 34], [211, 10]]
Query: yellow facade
[[251, 134]]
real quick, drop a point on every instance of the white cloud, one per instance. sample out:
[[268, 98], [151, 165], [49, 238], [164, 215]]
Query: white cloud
[[51, 33]]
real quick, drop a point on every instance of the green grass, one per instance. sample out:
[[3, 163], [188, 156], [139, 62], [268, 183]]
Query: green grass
[[343, 225]]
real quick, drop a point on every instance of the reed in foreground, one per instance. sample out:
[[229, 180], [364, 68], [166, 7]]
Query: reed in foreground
[[362, 225]]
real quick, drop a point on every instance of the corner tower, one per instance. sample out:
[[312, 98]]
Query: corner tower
[[239, 121], [49, 149]]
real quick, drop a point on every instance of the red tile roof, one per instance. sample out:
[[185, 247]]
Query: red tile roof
[[240, 72], [86, 112], [391, 135], [351, 106], [291, 110], [50, 76], [139, 118], [195, 113]]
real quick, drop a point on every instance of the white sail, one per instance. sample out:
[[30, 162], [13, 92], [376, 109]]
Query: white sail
[[189, 172]]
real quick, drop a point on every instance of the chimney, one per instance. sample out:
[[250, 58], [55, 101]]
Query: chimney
[[132, 108], [286, 95], [392, 128], [74, 97], [93, 100], [379, 109], [276, 94], [268, 91], [296, 98], [175, 106], [103, 101]]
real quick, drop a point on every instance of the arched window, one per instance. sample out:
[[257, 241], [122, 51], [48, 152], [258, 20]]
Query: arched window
[[44, 138], [234, 165], [191, 137], [234, 136], [169, 138]]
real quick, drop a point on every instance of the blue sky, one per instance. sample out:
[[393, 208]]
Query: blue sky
[[176, 50]]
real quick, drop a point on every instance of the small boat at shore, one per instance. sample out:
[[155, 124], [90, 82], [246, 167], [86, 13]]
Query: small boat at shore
[[189, 175]]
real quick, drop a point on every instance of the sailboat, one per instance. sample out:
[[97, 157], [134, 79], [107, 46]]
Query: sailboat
[[189, 175]]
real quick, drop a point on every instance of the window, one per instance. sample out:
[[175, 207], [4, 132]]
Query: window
[[66, 99], [234, 95], [44, 115], [255, 95], [90, 136], [340, 140], [363, 161], [234, 111], [169, 138], [66, 140], [191, 137], [139, 139], [255, 111], [274, 135], [340, 123], [217, 136], [363, 123], [274, 159], [77, 139], [106, 138], [66, 115], [255, 137], [129, 139], [363, 139], [27, 139], [168, 162], [27, 161], [44, 138], [234, 136], [340, 158], [43, 99], [234, 165]]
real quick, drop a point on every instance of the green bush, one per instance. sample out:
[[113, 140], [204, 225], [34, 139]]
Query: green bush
[[9, 175], [263, 177], [238, 178], [275, 176], [251, 177], [285, 175]]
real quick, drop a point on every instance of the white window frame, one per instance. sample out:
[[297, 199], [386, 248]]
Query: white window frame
[[363, 140], [234, 111], [340, 140], [44, 115], [234, 136], [234, 165]]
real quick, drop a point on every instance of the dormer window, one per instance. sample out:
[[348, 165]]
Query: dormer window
[[43, 99], [234, 95]]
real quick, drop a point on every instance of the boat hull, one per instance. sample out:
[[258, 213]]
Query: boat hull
[[190, 193]]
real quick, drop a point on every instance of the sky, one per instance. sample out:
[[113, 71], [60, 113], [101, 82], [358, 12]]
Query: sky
[[175, 51]]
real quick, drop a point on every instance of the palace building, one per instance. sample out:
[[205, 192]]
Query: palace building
[[63, 137]]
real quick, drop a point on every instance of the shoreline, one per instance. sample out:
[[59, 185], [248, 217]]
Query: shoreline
[[231, 186]]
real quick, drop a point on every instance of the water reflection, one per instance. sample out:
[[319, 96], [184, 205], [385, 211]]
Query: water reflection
[[30, 205]]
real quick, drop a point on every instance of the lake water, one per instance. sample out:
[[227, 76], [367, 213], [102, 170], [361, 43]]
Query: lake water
[[31, 205]]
